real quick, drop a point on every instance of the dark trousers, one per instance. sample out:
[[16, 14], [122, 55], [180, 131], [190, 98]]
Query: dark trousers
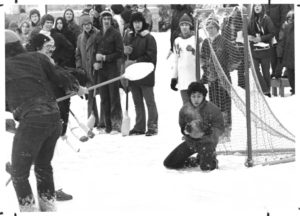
[[111, 103], [220, 97], [273, 59], [178, 157], [291, 76], [139, 93], [34, 143], [263, 75]]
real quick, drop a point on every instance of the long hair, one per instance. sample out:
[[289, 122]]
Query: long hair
[[13, 49], [64, 23], [64, 16], [256, 17]]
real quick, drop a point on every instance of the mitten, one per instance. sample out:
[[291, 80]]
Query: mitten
[[173, 84]]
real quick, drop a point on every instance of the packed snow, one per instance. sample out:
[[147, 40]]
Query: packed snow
[[114, 175]]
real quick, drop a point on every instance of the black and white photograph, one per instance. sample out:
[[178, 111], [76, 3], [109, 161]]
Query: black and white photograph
[[149, 108]]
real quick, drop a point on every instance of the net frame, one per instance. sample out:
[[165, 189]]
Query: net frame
[[267, 134]]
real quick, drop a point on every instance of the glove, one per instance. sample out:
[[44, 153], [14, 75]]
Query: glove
[[129, 62], [191, 49], [82, 91], [173, 84], [127, 50]]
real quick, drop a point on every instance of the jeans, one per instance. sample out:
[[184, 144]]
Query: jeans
[[177, 158], [139, 93], [34, 143]]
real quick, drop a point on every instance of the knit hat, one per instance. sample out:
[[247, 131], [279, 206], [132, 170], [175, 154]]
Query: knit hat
[[185, 19], [47, 17], [214, 21], [38, 41], [11, 36], [117, 8], [85, 19], [197, 87], [106, 13]]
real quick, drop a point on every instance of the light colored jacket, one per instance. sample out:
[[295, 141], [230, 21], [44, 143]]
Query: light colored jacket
[[185, 64], [85, 52]]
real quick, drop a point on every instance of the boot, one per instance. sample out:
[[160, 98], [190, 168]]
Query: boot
[[28, 204], [62, 196], [47, 205]]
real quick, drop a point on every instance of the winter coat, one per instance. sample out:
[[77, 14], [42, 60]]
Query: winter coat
[[211, 118], [185, 65], [85, 52], [286, 47], [144, 50], [222, 48], [277, 13], [109, 44], [64, 52], [29, 79], [264, 26], [74, 28]]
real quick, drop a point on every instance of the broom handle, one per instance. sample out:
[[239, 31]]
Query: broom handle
[[127, 98], [92, 87]]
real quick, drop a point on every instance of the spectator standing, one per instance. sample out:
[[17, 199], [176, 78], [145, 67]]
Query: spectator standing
[[34, 17], [261, 31], [96, 18], [142, 49], [109, 48], [117, 9], [85, 58], [286, 50], [24, 32], [184, 50], [31, 99], [148, 17], [204, 117], [69, 16], [217, 93], [277, 13], [66, 45], [177, 13]]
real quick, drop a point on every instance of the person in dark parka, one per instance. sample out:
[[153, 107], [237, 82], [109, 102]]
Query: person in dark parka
[[109, 48], [143, 49], [286, 50]]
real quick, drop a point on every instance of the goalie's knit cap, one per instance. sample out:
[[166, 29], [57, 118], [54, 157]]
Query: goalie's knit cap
[[85, 19], [11, 36], [197, 87], [185, 19]]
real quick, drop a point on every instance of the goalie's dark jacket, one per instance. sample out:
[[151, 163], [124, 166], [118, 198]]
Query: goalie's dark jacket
[[212, 121], [29, 78]]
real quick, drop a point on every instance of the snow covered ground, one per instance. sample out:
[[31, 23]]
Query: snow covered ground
[[114, 175]]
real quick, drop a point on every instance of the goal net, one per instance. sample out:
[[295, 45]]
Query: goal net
[[223, 69]]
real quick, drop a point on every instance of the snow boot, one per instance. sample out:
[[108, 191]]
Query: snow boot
[[62, 196], [47, 205]]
